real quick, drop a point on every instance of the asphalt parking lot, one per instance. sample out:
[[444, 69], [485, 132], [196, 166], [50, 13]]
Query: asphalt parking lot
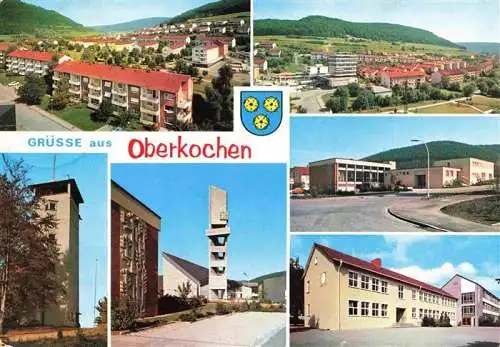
[[399, 337]]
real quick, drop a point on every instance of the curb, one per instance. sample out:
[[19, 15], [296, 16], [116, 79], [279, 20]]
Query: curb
[[261, 340], [416, 222]]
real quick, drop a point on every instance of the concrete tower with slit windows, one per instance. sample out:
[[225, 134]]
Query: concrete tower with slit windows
[[218, 235]]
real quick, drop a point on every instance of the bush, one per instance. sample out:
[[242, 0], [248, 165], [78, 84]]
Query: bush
[[188, 317], [170, 304], [488, 321], [254, 306], [428, 322], [242, 307], [123, 315], [223, 309]]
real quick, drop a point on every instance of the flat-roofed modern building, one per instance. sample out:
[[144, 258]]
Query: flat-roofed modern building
[[472, 170], [342, 64], [209, 52], [343, 292], [134, 251], [440, 177], [24, 62], [62, 199], [161, 98], [337, 174], [474, 300]]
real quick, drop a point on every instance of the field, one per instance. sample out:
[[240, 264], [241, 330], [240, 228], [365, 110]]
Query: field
[[485, 103], [331, 44], [447, 108]]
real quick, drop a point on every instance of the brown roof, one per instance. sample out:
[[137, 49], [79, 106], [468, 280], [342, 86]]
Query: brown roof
[[336, 256], [196, 271], [54, 187]]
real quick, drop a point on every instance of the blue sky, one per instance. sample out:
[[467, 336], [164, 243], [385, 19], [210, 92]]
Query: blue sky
[[316, 138], [99, 12], [455, 20], [179, 194], [93, 226], [431, 258]]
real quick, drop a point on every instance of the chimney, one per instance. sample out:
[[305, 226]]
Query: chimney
[[377, 262]]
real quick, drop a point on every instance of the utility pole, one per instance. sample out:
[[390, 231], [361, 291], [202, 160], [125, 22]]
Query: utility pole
[[428, 178]]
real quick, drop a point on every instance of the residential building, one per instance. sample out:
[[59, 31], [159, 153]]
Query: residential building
[[274, 52], [299, 175], [381, 91], [174, 47], [452, 76], [160, 97], [134, 251], [342, 64], [209, 53], [267, 44], [410, 79], [261, 64], [272, 287], [474, 300], [472, 170], [62, 199], [24, 62], [185, 38], [317, 69], [337, 174], [440, 176], [3, 53], [366, 295]]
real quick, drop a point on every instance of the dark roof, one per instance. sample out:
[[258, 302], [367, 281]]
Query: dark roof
[[196, 271], [134, 198], [268, 276], [468, 279], [336, 257], [55, 187]]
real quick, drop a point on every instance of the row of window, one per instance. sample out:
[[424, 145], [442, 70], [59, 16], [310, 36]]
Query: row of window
[[431, 313], [468, 298], [468, 311], [367, 309], [489, 307]]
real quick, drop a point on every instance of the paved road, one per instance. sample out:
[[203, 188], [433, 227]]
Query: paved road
[[236, 330], [353, 213], [26, 118], [392, 337], [311, 100]]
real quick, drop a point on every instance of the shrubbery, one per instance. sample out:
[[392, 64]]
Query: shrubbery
[[488, 321], [223, 309], [123, 315]]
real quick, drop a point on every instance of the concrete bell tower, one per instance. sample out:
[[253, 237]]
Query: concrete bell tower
[[218, 234]]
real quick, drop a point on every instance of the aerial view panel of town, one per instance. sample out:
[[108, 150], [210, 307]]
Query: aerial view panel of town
[[119, 66], [380, 56]]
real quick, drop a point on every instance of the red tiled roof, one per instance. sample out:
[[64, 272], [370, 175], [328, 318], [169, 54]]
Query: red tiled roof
[[3, 46], [40, 56], [301, 170], [174, 37], [336, 256], [157, 80], [221, 38], [177, 44], [399, 74], [259, 61]]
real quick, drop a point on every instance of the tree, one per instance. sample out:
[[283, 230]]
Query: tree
[[105, 111], [445, 82], [126, 119], [223, 84], [469, 89], [342, 91], [483, 87], [60, 99], [33, 89], [495, 91], [296, 288], [338, 104], [455, 86], [29, 252], [184, 290], [354, 89], [102, 308]]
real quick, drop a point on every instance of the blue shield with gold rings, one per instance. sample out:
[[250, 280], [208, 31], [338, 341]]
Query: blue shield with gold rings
[[261, 111]]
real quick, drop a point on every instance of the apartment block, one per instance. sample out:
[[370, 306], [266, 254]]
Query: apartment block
[[3, 53], [161, 98], [342, 292], [337, 174], [24, 62], [208, 53], [134, 251], [409, 79], [474, 300], [62, 199], [472, 170], [342, 64]]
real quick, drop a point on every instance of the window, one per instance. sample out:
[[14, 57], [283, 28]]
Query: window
[[353, 308], [375, 284], [365, 282], [421, 313], [468, 298], [468, 311], [51, 206], [414, 313], [315, 260], [425, 313], [420, 295], [414, 294], [425, 297], [134, 89], [374, 309], [307, 287], [384, 286], [383, 310], [353, 279], [107, 84], [401, 292], [365, 307]]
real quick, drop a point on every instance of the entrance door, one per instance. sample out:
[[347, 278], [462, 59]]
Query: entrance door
[[400, 314], [466, 321], [420, 181]]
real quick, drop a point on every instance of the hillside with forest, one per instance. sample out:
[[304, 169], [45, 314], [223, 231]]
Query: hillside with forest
[[321, 26], [416, 156], [17, 17], [482, 47], [217, 8], [130, 26]]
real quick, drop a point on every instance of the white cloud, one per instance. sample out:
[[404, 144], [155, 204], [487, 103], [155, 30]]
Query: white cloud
[[401, 243]]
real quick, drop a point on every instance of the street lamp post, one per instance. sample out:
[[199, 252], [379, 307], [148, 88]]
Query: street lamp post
[[428, 166]]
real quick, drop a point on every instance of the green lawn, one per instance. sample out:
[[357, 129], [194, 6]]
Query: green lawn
[[6, 79], [485, 103], [447, 108], [484, 210], [80, 117]]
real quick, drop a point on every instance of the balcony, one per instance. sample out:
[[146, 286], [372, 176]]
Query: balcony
[[75, 82], [94, 103], [56, 77], [119, 90], [150, 98], [150, 111], [148, 119], [74, 91], [95, 93], [95, 86], [119, 101]]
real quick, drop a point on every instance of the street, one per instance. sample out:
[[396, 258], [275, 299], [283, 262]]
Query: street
[[235, 330], [371, 213], [408, 337], [311, 100], [28, 119]]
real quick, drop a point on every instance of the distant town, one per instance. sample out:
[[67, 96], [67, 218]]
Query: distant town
[[358, 75], [167, 77]]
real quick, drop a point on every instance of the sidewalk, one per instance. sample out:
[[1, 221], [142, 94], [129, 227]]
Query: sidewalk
[[428, 213], [55, 119]]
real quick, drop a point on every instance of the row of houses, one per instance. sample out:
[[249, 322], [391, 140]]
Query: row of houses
[[235, 26], [340, 174], [368, 295]]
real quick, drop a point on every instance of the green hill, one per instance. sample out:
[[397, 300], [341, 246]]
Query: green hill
[[416, 156], [216, 8], [333, 27], [17, 17], [482, 47], [130, 26]]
